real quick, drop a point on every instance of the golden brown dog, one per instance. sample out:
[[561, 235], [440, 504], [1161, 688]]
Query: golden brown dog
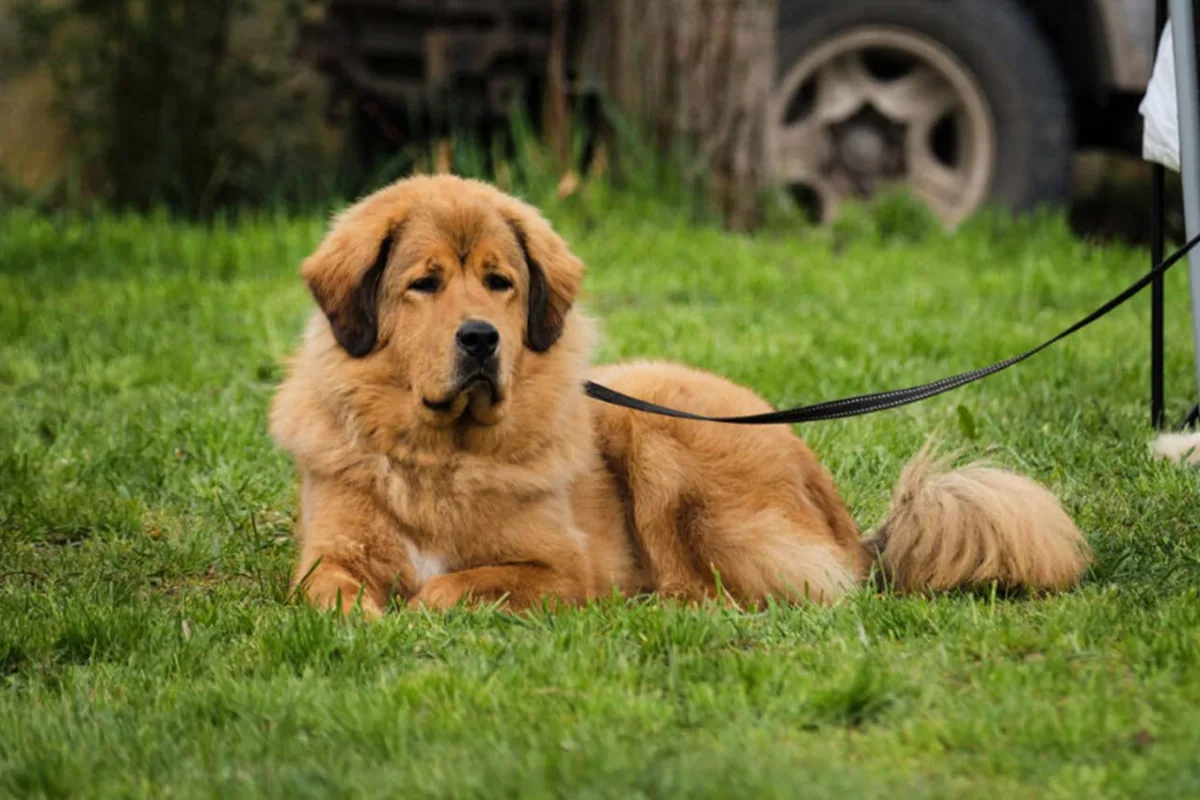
[[447, 452]]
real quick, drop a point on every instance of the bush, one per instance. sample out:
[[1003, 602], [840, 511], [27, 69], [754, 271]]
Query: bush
[[191, 105]]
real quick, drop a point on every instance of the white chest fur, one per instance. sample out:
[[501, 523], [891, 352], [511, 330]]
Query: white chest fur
[[425, 565]]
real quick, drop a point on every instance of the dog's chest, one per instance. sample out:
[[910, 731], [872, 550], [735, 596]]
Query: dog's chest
[[436, 500], [426, 564]]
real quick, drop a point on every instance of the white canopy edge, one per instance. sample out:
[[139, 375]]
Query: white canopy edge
[[1160, 109]]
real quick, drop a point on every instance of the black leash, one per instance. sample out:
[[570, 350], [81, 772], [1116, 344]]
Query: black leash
[[879, 401]]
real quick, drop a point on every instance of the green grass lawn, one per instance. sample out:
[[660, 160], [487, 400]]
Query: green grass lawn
[[148, 645]]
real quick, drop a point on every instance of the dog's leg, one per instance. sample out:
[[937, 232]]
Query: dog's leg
[[664, 534], [669, 518], [349, 553], [534, 553], [515, 586], [329, 586], [714, 524]]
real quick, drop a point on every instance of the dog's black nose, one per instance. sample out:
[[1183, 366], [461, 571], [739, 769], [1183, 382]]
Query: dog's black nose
[[478, 339]]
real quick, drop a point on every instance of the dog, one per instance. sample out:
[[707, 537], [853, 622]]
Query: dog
[[447, 453], [1179, 448]]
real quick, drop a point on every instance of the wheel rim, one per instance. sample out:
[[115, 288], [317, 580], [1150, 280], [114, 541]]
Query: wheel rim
[[879, 106]]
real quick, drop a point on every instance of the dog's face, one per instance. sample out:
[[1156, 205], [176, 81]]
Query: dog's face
[[443, 286]]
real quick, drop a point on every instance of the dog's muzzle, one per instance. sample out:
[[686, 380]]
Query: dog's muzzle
[[477, 342], [477, 368]]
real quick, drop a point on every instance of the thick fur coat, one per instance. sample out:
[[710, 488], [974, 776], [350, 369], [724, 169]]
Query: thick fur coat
[[447, 453]]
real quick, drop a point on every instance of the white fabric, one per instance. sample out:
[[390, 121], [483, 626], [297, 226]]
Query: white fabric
[[1159, 109]]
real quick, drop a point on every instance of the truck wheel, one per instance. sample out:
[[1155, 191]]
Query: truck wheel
[[960, 100]]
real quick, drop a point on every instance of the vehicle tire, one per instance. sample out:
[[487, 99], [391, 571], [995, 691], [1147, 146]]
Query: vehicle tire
[[960, 99]]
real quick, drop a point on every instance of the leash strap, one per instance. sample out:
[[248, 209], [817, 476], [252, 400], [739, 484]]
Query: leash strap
[[880, 401]]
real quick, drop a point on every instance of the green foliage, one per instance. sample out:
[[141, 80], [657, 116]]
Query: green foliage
[[148, 646], [191, 105]]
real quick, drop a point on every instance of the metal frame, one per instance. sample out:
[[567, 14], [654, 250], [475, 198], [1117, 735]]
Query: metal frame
[[1184, 17], [1157, 246], [1183, 31]]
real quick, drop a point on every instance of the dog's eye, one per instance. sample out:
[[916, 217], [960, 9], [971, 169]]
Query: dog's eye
[[427, 285], [497, 282]]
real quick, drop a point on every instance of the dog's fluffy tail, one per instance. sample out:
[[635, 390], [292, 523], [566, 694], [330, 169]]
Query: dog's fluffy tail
[[975, 527]]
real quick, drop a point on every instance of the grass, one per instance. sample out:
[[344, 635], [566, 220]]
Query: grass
[[148, 645]]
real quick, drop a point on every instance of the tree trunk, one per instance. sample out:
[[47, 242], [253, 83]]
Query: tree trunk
[[699, 71], [555, 118]]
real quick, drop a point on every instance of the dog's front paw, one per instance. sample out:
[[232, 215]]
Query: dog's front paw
[[334, 590], [440, 593]]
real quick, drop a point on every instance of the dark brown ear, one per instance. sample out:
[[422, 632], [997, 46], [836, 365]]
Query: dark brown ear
[[344, 276], [555, 275]]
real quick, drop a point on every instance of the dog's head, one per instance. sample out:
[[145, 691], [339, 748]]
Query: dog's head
[[444, 286]]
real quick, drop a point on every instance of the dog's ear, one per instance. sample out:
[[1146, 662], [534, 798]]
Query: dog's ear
[[344, 275], [555, 275]]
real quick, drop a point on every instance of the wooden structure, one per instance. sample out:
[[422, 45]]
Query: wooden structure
[[463, 58], [692, 71], [696, 71]]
